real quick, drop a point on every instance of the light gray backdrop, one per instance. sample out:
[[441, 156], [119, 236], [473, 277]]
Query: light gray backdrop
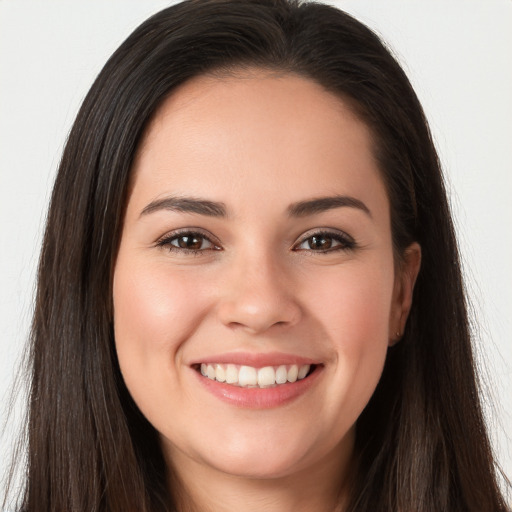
[[458, 55]]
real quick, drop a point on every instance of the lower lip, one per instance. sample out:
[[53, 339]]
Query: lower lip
[[260, 398]]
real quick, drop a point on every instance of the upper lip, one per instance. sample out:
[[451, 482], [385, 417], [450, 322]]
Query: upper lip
[[256, 360]]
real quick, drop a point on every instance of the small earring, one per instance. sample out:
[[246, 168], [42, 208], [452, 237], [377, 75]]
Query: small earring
[[398, 334]]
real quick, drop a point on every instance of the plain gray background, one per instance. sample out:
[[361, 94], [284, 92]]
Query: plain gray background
[[458, 56]]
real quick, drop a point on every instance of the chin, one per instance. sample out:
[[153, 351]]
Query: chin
[[271, 454], [259, 466]]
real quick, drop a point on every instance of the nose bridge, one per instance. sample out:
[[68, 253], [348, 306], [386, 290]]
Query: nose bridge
[[258, 294]]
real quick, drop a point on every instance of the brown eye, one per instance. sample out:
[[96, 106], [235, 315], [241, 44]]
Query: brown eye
[[320, 242], [326, 242], [187, 242], [191, 242]]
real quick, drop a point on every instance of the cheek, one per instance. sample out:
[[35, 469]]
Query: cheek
[[354, 303], [151, 310], [154, 314], [353, 309]]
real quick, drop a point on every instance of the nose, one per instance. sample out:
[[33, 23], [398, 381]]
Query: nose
[[258, 295]]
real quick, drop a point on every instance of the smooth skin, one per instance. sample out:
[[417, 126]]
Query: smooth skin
[[322, 285]]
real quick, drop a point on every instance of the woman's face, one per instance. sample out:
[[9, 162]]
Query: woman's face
[[256, 246]]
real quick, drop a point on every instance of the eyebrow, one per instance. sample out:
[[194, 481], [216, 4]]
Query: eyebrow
[[218, 209], [322, 204], [187, 205]]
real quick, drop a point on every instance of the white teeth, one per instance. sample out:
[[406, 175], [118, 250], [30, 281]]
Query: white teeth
[[266, 377], [210, 372], [248, 376], [231, 374], [293, 373], [281, 374], [220, 373], [303, 371]]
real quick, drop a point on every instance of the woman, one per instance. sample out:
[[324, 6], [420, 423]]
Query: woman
[[246, 296]]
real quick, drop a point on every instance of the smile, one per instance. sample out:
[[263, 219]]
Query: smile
[[251, 377], [258, 381]]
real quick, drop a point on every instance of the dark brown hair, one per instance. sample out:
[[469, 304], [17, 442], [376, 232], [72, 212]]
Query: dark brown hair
[[421, 442]]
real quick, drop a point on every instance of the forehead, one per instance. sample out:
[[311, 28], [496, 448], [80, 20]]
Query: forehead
[[256, 131]]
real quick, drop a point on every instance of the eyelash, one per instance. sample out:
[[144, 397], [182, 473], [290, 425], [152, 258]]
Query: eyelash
[[166, 242], [345, 242]]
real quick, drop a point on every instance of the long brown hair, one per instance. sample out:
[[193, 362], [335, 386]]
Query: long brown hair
[[421, 442]]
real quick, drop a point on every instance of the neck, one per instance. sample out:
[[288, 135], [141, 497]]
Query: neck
[[323, 487]]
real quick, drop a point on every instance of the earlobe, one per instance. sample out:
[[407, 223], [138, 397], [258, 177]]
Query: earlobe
[[405, 280]]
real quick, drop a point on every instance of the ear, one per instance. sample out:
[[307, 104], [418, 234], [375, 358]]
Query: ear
[[405, 278]]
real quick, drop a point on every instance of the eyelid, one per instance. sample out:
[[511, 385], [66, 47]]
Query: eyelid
[[164, 241], [345, 240]]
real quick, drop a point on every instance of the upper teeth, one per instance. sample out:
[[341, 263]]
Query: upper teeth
[[246, 376]]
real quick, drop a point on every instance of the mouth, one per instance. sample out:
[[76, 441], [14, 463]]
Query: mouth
[[243, 376]]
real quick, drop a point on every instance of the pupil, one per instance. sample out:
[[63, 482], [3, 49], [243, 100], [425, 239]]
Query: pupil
[[189, 242], [320, 242]]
